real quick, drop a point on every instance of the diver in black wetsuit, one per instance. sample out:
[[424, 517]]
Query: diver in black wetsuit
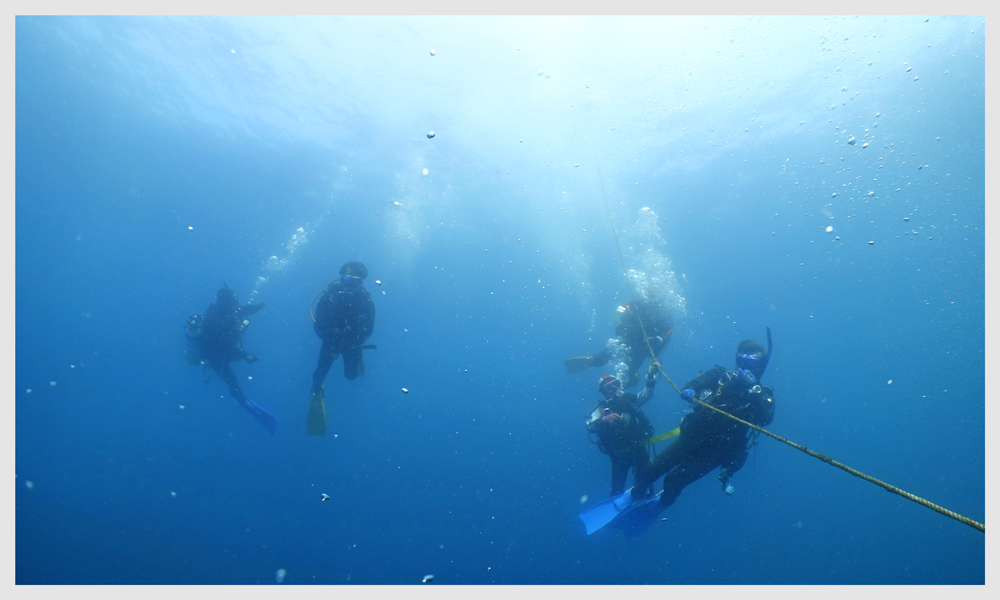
[[344, 320], [709, 440], [658, 323], [216, 339], [622, 428]]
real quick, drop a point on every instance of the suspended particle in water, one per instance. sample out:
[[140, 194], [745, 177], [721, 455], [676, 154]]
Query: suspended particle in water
[[577, 165], [425, 172], [522, 140], [584, 498], [871, 243], [908, 69], [190, 228], [852, 141], [865, 145], [28, 391], [833, 195], [871, 193], [395, 202], [586, 85], [890, 382], [323, 498], [279, 575], [906, 218], [378, 282], [430, 135], [173, 494], [433, 51], [829, 228], [406, 391], [540, 73], [427, 579], [181, 406], [52, 383]]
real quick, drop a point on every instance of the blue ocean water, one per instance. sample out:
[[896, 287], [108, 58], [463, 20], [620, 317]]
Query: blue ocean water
[[157, 158]]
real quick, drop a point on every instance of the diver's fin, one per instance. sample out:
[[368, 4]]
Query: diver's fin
[[316, 425], [269, 421], [638, 516], [578, 364], [622, 512], [605, 511]]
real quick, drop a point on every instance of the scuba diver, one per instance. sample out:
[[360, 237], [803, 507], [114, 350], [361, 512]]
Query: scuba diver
[[344, 319], [216, 339], [629, 344], [707, 440], [622, 428]]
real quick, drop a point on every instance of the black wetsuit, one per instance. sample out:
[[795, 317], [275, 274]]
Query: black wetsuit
[[221, 341], [709, 440], [345, 318], [658, 324], [623, 442]]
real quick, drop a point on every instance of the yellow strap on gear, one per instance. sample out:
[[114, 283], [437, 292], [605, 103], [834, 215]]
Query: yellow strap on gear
[[663, 436]]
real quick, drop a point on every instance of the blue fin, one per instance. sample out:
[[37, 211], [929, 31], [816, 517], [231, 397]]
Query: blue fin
[[605, 511], [269, 421], [638, 516], [631, 516]]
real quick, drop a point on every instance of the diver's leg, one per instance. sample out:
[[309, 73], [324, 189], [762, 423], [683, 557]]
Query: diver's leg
[[352, 363], [226, 374], [650, 471], [601, 358], [638, 459], [686, 473], [327, 355], [619, 471]]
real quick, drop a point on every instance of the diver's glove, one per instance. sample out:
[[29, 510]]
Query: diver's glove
[[652, 368], [687, 394], [745, 377], [612, 419]]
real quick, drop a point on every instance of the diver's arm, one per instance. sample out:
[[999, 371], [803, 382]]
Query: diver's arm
[[708, 380], [250, 309], [647, 392], [369, 319]]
